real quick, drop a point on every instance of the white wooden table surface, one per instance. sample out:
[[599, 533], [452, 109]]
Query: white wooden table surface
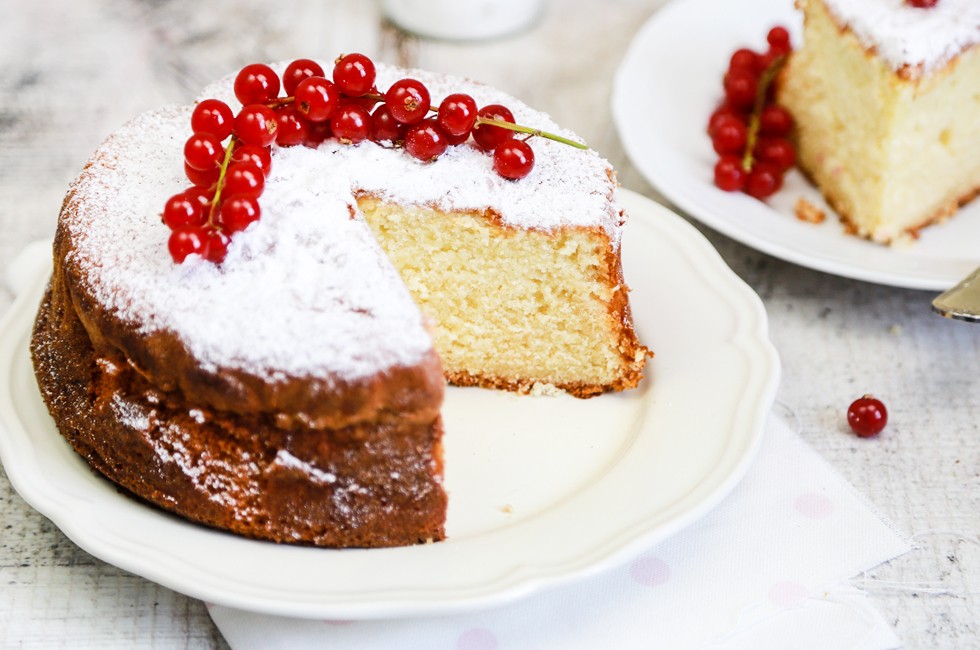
[[72, 71]]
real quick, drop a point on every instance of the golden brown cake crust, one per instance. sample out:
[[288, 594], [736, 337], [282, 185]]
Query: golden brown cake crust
[[367, 485]]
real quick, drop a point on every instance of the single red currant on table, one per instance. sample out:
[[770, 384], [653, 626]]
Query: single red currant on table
[[867, 416], [923, 4]]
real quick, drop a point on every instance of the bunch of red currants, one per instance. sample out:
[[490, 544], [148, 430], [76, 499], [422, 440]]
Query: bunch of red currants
[[228, 179], [749, 132]]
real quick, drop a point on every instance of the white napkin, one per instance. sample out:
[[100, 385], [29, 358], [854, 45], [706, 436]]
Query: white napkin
[[765, 569]]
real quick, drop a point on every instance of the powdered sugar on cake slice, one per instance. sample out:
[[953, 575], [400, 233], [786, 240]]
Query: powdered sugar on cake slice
[[305, 291], [908, 37]]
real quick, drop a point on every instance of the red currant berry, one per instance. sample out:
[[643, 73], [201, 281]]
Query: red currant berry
[[293, 127], [354, 74], [237, 212], [456, 139], [203, 151], [743, 59], [317, 133], [257, 124], [317, 98], [256, 84], [351, 123], [205, 179], [298, 70], [729, 136], [488, 136], [244, 179], [457, 114], [186, 241], [250, 153], [740, 87], [778, 39], [729, 173], [217, 246], [867, 416], [200, 195], [775, 120], [923, 4], [384, 127], [213, 116], [408, 100], [182, 210], [764, 61], [513, 159], [720, 116], [426, 140], [764, 180], [778, 151]]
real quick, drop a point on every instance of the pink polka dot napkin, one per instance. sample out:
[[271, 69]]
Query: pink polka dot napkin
[[767, 568]]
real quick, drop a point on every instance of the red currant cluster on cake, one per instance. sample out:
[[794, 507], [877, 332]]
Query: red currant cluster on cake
[[748, 130], [228, 179]]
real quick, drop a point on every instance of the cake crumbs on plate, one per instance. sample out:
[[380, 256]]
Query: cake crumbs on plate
[[808, 212]]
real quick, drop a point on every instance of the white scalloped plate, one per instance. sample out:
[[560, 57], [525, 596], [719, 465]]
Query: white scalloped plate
[[542, 490], [664, 92]]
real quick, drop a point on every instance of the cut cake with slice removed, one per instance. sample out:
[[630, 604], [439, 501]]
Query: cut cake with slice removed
[[293, 392], [886, 99]]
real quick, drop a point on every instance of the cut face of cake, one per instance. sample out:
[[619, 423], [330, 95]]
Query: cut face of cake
[[886, 99], [293, 392]]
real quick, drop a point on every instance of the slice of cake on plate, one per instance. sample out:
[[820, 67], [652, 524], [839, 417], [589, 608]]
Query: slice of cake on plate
[[886, 98]]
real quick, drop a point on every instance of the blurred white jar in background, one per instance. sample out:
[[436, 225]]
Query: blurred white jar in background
[[462, 19]]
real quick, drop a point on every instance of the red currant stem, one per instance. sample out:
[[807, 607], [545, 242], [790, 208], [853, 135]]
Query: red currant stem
[[510, 126], [761, 90], [279, 103], [221, 182], [434, 108]]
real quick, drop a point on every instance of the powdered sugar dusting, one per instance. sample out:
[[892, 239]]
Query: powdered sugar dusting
[[286, 459], [903, 35], [305, 291]]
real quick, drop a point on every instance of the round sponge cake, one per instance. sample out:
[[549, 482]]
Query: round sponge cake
[[292, 392]]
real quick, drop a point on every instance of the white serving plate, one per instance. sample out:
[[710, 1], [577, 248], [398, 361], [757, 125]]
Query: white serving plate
[[665, 90], [542, 490]]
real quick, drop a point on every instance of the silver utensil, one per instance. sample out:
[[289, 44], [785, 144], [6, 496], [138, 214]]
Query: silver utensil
[[962, 302]]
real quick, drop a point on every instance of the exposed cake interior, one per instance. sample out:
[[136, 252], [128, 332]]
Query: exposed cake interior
[[533, 309], [888, 131]]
